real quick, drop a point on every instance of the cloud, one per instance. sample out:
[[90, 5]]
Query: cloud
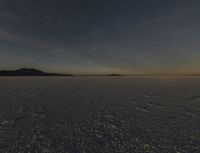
[[8, 16], [13, 37], [7, 35]]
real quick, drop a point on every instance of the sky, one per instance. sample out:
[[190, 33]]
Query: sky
[[101, 36]]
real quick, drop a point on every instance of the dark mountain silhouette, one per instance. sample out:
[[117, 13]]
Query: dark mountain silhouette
[[29, 72]]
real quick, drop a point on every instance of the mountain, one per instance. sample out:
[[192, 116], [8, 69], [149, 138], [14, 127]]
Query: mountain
[[29, 72]]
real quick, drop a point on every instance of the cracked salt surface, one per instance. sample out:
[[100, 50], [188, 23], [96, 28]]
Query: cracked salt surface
[[99, 114]]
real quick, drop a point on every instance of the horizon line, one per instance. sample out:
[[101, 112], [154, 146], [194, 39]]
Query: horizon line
[[108, 74]]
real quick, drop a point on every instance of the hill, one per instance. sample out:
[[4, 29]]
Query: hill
[[29, 72]]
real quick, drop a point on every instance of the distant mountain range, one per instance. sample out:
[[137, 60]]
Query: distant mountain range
[[35, 72], [29, 72]]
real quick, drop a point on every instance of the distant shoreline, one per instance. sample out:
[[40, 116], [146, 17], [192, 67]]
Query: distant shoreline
[[30, 72]]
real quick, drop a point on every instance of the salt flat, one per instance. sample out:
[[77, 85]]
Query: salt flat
[[100, 114]]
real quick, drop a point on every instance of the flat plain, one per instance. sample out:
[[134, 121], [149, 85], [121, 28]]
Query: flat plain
[[99, 114]]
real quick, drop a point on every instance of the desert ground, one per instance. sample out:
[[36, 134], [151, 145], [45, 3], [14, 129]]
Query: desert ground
[[100, 114]]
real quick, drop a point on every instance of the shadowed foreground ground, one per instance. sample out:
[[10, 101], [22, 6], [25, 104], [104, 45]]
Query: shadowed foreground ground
[[99, 114]]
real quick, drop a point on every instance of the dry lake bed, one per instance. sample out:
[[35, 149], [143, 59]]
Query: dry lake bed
[[99, 114]]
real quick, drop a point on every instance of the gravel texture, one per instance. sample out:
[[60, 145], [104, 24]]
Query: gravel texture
[[100, 115]]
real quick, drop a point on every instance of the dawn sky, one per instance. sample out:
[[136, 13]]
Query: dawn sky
[[101, 36]]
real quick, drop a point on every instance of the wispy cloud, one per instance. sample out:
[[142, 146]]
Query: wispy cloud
[[13, 37], [8, 16]]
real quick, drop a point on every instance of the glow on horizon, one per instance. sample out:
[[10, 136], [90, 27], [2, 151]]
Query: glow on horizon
[[101, 37]]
